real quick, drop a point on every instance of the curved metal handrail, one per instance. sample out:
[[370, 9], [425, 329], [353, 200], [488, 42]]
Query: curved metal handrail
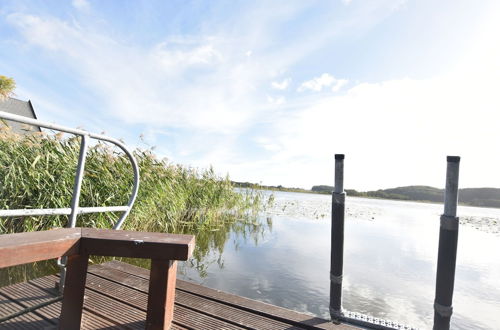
[[75, 209]]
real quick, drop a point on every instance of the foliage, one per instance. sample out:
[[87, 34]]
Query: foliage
[[37, 171], [484, 197], [7, 86], [323, 189], [314, 190]]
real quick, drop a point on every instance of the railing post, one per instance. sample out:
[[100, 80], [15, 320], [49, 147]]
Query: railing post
[[447, 253], [75, 203], [337, 240], [75, 200]]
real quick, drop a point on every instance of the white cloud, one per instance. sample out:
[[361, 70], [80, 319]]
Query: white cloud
[[278, 100], [346, 2], [81, 4], [208, 86], [281, 85], [339, 84], [267, 144], [316, 84], [202, 81], [180, 82], [180, 54], [394, 132]]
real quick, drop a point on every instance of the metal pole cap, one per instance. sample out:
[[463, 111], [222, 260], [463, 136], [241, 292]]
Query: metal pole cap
[[453, 159], [339, 156]]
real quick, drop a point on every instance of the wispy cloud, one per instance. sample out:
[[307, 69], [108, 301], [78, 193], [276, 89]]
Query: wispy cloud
[[325, 80], [339, 83], [181, 82], [281, 85], [277, 100], [317, 84], [219, 90], [81, 4]]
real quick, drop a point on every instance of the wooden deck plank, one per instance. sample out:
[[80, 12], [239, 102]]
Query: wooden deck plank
[[138, 299], [28, 295], [102, 306], [91, 320], [116, 298], [261, 308], [211, 308], [123, 312], [25, 321], [110, 285]]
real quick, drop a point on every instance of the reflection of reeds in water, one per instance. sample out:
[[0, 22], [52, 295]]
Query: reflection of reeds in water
[[37, 171], [210, 243]]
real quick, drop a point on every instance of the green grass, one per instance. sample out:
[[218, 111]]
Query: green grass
[[37, 171]]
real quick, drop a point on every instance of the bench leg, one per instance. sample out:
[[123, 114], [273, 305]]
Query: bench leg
[[74, 290], [161, 294]]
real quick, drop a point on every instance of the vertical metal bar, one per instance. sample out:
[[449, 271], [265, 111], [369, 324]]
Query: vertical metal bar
[[75, 202], [78, 182], [337, 240], [447, 253]]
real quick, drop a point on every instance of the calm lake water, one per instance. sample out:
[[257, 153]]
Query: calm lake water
[[389, 263]]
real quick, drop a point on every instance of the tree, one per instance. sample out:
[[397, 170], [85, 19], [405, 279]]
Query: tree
[[7, 86]]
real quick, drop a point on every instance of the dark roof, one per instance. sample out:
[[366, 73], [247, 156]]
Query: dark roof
[[21, 108]]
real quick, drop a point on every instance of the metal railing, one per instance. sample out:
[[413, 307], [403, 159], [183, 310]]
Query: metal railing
[[74, 210]]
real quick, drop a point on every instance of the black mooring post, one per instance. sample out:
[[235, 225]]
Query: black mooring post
[[337, 238], [447, 253]]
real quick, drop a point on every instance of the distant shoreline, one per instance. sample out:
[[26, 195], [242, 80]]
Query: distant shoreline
[[384, 199], [475, 197]]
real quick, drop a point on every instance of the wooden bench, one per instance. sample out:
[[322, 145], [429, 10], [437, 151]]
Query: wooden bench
[[78, 243]]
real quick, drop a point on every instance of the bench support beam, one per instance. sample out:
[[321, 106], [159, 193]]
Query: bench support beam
[[74, 291], [161, 294]]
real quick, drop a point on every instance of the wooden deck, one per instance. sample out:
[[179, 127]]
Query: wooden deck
[[116, 298]]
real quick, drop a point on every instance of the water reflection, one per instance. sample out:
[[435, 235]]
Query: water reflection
[[211, 241], [390, 260]]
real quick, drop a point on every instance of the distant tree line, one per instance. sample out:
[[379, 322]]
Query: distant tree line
[[486, 197], [264, 187]]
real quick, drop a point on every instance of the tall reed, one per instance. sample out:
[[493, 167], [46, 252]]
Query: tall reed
[[38, 170]]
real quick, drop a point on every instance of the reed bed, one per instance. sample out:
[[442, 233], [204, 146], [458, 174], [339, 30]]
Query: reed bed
[[38, 170]]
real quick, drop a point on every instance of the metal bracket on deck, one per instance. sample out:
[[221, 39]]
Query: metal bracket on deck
[[370, 322]]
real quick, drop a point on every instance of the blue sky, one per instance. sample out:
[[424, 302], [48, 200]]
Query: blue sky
[[269, 91]]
